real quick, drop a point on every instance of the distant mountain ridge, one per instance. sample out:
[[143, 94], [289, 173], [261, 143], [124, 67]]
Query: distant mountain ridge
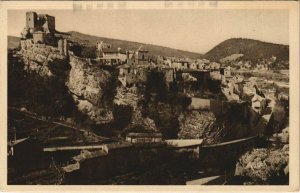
[[13, 42], [253, 50], [91, 40]]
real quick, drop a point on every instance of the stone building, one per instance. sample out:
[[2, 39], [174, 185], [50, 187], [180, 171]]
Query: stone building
[[39, 37], [179, 65], [194, 65], [63, 47], [100, 46], [283, 96], [142, 56], [225, 71], [259, 103], [132, 75], [215, 66], [169, 75], [109, 55]]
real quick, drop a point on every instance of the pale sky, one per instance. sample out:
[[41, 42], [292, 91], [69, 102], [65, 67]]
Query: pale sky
[[191, 30]]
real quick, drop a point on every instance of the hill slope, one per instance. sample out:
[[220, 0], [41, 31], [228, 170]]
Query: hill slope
[[252, 50], [153, 49], [13, 42]]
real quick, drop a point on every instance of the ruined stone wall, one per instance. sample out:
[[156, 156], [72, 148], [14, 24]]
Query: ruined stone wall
[[50, 23], [220, 108], [118, 162], [31, 20]]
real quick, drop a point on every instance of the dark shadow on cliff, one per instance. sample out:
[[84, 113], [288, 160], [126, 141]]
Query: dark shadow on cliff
[[47, 96]]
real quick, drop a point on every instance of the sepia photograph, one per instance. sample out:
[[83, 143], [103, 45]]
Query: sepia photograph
[[120, 96]]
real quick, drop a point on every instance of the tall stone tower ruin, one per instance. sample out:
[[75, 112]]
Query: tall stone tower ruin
[[40, 28], [31, 20]]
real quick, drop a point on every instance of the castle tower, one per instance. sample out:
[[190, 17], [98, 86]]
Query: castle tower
[[31, 20], [60, 46], [127, 55], [66, 47], [99, 52]]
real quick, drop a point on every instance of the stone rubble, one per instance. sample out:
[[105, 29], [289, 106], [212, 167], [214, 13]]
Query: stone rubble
[[261, 165]]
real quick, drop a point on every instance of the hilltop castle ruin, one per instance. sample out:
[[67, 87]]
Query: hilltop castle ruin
[[40, 28], [40, 31]]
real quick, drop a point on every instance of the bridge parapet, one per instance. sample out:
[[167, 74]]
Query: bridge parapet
[[226, 154]]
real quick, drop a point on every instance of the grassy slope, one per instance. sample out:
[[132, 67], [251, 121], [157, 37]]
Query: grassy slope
[[153, 49], [252, 50], [13, 42]]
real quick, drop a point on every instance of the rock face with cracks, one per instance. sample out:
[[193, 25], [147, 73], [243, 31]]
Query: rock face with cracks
[[200, 125], [39, 58], [263, 165], [86, 84], [266, 165], [131, 97]]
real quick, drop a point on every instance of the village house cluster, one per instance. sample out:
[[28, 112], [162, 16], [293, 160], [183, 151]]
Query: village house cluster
[[134, 66]]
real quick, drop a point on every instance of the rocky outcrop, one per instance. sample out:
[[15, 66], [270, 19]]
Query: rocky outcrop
[[264, 165], [86, 85], [84, 81], [40, 58], [267, 165], [131, 97], [282, 137], [200, 125]]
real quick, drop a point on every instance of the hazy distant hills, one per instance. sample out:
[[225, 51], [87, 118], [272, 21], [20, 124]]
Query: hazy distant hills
[[13, 42], [129, 45], [252, 50], [90, 40]]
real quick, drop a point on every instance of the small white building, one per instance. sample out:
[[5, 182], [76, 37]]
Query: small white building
[[259, 103], [193, 65], [215, 66], [283, 96]]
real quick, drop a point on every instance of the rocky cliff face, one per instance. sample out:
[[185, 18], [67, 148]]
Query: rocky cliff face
[[130, 97], [200, 125], [84, 82], [267, 165], [42, 59], [86, 85], [219, 122], [264, 166]]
